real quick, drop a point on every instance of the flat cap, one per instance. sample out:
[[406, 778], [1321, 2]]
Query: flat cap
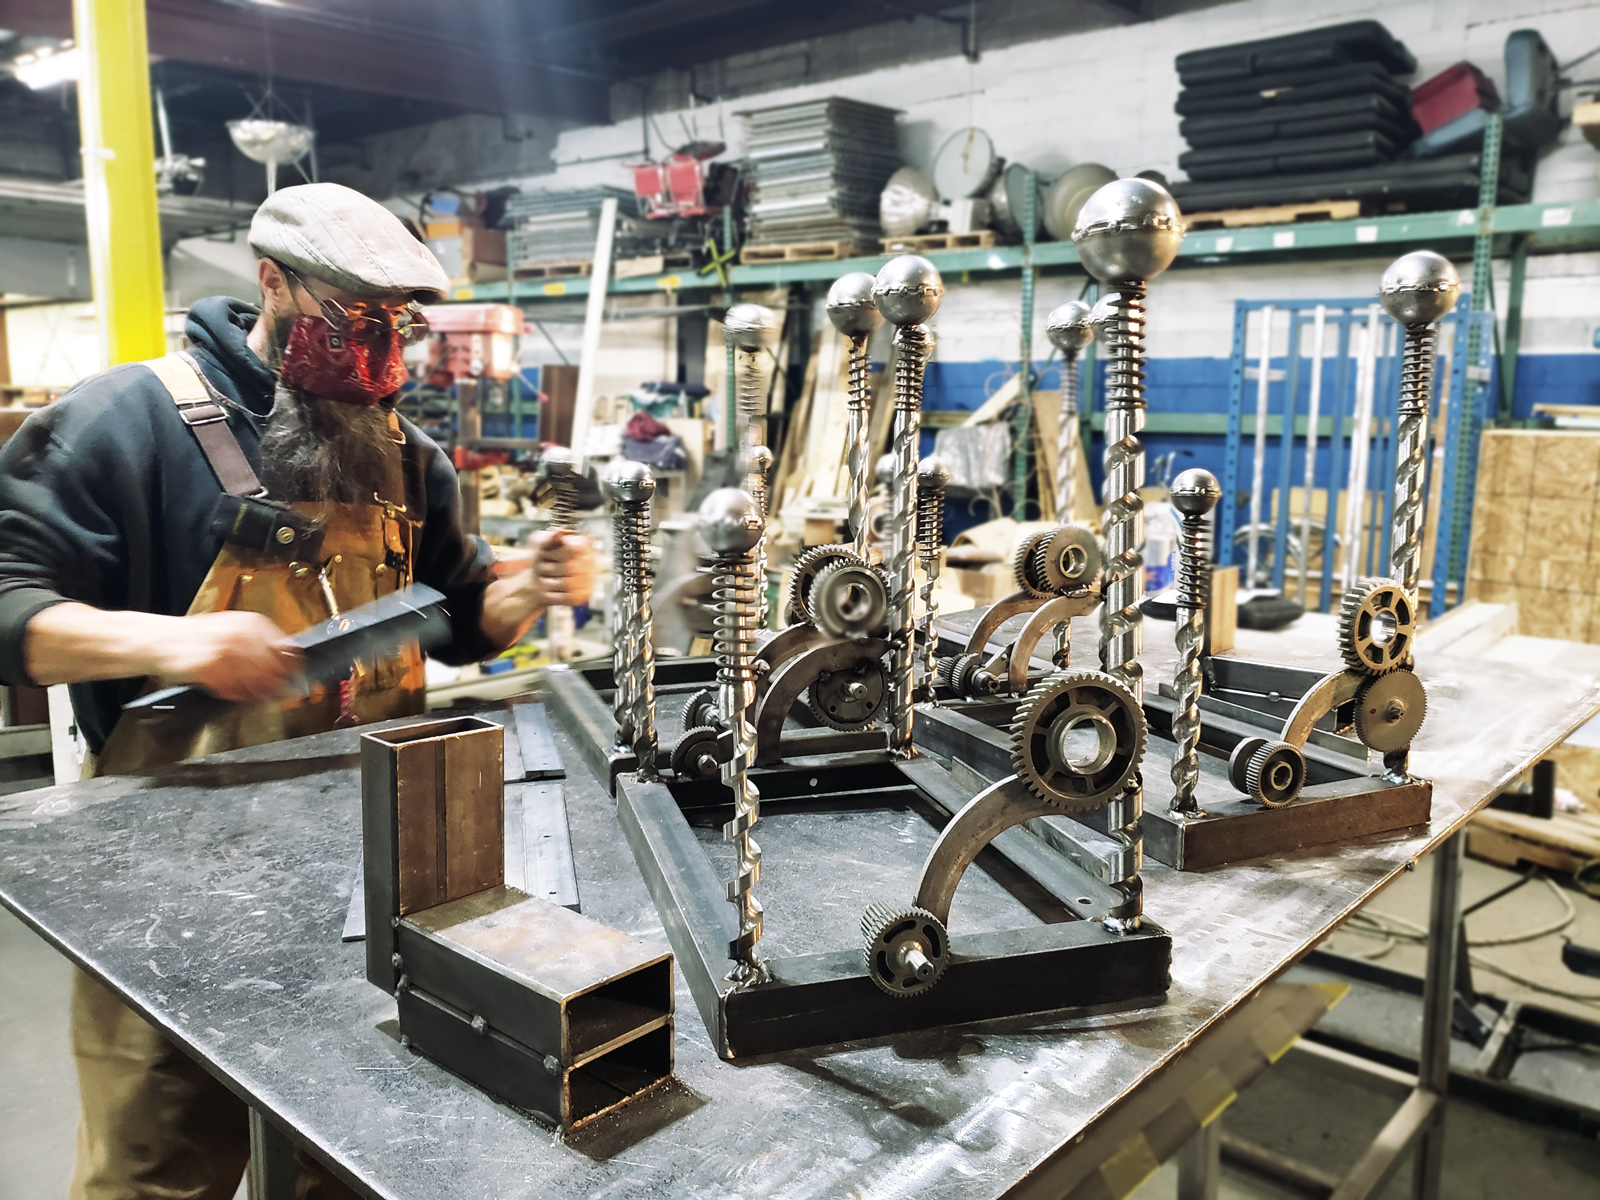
[[335, 234]]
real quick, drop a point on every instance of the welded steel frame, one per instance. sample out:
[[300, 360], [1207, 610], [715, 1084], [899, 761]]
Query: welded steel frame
[[826, 997]]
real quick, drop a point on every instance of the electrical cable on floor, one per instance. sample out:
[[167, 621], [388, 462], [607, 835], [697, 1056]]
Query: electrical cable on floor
[[1394, 930]]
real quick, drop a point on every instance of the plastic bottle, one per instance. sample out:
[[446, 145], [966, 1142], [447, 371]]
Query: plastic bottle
[[1160, 543]]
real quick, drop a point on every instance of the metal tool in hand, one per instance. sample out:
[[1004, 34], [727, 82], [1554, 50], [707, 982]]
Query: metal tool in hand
[[629, 486], [751, 331], [933, 476], [558, 487], [853, 313], [1070, 331], [329, 648], [1127, 232], [907, 292], [732, 527], [1194, 494]]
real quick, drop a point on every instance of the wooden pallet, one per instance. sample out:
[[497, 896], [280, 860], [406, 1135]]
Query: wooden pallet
[[1277, 214], [653, 264], [981, 239], [562, 270], [804, 252], [1564, 843]]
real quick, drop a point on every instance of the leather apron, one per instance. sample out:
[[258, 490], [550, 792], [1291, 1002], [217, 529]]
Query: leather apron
[[367, 551]]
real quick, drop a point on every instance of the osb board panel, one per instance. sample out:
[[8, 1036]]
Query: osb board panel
[[1534, 527]]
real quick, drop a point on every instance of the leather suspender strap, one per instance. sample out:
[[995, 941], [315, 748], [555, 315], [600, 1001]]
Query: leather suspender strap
[[207, 421]]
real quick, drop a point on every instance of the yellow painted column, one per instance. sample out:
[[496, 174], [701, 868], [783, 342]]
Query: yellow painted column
[[119, 178]]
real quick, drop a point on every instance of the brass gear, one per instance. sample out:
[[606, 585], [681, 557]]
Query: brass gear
[[807, 565], [907, 949], [1275, 774], [849, 599], [1068, 560], [849, 699], [1022, 565], [695, 755], [1390, 710], [1377, 626], [701, 710], [1078, 739]]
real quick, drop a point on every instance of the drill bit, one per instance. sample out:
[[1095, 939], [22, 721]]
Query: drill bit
[[1127, 232], [1194, 494], [853, 314], [751, 331], [907, 292], [558, 479], [933, 476], [630, 486]]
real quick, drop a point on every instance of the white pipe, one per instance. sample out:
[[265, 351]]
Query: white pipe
[[593, 317], [1319, 328], [1259, 466], [1361, 448]]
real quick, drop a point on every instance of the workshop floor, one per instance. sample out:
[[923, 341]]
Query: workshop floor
[[1294, 1108]]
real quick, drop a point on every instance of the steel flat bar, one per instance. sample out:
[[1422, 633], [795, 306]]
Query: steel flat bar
[[1416, 1117]]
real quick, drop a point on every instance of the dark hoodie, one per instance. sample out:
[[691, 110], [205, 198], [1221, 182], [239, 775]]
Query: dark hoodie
[[106, 499]]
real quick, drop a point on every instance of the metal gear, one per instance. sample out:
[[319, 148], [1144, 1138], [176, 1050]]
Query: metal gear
[[1069, 559], [701, 710], [907, 949], [1390, 710], [1078, 739], [1239, 761], [1023, 565], [695, 755], [1275, 774], [958, 673], [1377, 626], [807, 564], [849, 699], [849, 600]]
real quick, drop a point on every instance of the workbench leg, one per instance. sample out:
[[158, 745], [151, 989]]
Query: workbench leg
[[1438, 1008], [272, 1169], [1200, 1163]]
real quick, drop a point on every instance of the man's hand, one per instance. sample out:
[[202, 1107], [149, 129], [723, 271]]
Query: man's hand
[[562, 572], [232, 655]]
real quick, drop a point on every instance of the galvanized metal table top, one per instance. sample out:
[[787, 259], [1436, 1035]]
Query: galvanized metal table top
[[212, 897]]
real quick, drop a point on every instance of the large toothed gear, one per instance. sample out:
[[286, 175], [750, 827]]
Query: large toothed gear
[[695, 755], [907, 949], [849, 599], [1068, 560], [1377, 626], [1078, 739], [1023, 565], [1275, 774], [807, 565], [1390, 710], [850, 699]]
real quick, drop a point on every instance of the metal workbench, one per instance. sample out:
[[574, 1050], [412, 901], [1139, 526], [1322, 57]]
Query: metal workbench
[[212, 896]]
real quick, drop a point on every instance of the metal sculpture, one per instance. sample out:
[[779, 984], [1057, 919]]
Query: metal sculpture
[[1194, 494], [629, 486]]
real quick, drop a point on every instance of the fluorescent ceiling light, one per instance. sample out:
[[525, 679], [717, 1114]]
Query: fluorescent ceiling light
[[46, 68]]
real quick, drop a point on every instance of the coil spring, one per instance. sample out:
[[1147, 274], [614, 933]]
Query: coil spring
[[735, 600], [756, 485], [915, 344], [749, 396], [930, 523], [1416, 368], [1125, 348], [1194, 579], [632, 533], [563, 507]]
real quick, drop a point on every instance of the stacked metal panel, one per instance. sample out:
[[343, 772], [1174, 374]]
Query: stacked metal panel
[[816, 170], [559, 227]]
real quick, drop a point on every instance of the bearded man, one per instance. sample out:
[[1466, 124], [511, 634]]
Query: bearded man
[[173, 521]]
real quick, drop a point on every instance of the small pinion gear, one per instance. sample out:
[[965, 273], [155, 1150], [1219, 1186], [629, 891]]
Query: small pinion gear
[[1275, 774], [1377, 626], [1069, 559], [701, 710], [695, 755], [956, 674], [1390, 710], [1078, 739], [807, 565], [1023, 565], [907, 949]]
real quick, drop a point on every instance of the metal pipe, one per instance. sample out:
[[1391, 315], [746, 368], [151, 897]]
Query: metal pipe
[[907, 292], [1258, 465], [630, 486], [1127, 232], [853, 314], [1438, 1008], [1319, 329], [733, 528], [1194, 494]]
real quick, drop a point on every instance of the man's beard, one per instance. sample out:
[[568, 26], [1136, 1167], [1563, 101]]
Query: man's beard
[[321, 450]]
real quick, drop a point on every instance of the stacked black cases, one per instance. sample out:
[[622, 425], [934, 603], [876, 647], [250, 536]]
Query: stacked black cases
[[1309, 117]]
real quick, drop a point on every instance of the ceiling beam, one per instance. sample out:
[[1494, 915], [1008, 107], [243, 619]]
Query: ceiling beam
[[654, 16]]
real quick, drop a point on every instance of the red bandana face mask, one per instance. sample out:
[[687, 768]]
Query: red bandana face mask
[[352, 368]]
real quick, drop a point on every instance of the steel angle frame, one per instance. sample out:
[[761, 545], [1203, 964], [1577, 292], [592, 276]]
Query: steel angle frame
[[827, 997]]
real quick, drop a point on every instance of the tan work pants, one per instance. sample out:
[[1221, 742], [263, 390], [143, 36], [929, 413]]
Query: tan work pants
[[155, 1125]]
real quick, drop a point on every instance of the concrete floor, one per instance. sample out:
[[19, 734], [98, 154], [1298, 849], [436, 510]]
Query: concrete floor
[[1294, 1108]]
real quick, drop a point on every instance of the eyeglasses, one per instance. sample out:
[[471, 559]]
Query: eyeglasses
[[406, 320]]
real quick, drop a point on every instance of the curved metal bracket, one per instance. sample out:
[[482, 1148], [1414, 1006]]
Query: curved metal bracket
[[784, 645], [1327, 694], [788, 681], [1054, 613], [985, 817], [1001, 611]]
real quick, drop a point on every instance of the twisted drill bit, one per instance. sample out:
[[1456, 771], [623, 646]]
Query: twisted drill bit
[[907, 292], [1194, 494], [732, 527], [853, 314], [630, 486], [751, 331], [1127, 232], [558, 479], [933, 476]]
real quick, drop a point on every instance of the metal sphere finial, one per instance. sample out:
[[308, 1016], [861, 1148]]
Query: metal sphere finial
[[1195, 492], [1419, 288], [883, 470], [850, 305], [1128, 231], [628, 482], [750, 327], [933, 473], [730, 521], [908, 289], [557, 462], [758, 459], [1102, 316], [1068, 327]]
